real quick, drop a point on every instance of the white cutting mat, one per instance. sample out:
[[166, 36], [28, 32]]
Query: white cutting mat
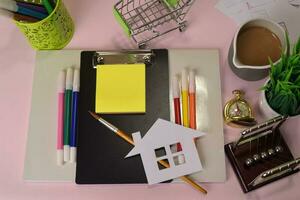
[[40, 160]]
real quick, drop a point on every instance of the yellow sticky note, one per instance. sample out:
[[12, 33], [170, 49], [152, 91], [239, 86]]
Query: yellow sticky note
[[121, 88]]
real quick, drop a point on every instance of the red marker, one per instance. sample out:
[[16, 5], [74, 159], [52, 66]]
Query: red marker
[[176, 100]]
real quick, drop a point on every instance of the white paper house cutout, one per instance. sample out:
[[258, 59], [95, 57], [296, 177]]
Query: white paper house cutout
[[163, 135]]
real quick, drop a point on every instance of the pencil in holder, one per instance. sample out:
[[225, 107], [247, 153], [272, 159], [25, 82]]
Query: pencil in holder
[[53, 32]]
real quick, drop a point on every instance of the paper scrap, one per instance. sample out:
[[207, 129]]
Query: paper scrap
[[121, 88]]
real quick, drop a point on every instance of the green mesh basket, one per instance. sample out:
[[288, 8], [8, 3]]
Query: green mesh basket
[[53, 32]]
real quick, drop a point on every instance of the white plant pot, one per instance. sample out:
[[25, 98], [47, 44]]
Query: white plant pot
[[265, 108]]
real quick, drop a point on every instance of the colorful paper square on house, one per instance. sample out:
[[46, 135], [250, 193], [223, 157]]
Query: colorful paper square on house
[[121, 89]]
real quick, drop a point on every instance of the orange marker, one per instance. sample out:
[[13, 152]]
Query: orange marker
[[192, 100]]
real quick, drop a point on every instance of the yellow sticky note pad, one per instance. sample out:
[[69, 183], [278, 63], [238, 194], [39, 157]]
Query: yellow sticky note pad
[[121, 88]]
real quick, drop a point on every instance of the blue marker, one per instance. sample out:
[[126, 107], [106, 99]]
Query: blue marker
[[34, 7], [12, 6], [73, 134]]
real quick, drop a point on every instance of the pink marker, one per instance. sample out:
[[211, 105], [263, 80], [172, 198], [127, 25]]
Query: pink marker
[[60, 117]]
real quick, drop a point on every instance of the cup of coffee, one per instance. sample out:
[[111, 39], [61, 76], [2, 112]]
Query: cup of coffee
[[254, 44]]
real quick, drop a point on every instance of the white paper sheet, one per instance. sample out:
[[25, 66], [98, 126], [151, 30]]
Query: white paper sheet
[[285, 12], [288, 15]]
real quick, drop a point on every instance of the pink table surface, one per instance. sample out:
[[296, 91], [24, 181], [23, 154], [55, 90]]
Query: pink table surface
[[96, 28]]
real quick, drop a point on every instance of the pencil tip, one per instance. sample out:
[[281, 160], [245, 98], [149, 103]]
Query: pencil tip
[[94, 115]]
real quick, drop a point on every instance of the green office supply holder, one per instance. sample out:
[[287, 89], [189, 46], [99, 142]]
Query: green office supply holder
[[53, 32]]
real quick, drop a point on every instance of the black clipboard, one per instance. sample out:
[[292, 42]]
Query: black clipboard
[[100, 153]]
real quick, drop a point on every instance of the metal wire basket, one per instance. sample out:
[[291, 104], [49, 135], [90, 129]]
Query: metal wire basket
[[144, 20]]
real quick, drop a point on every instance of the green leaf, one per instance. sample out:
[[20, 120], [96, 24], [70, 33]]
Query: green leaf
[[288, 46], [277, 88], [292, 105], [293, 61], [288, 76], [296, 49]]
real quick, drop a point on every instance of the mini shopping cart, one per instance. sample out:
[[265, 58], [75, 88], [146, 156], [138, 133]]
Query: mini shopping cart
[[144, 20]]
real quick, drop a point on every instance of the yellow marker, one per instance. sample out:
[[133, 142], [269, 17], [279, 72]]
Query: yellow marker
[[184, 97]]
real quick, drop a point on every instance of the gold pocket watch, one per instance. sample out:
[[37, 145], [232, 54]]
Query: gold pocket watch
[[238, 112]]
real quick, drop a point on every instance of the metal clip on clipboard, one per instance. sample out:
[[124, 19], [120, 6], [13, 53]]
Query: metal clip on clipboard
[[261, 155], [122, 57]]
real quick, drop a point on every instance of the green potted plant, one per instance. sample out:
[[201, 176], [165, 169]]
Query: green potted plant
[[281, 92]]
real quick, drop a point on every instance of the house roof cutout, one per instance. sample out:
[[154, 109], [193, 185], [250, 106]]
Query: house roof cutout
[[160, 130], [166, 135]]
